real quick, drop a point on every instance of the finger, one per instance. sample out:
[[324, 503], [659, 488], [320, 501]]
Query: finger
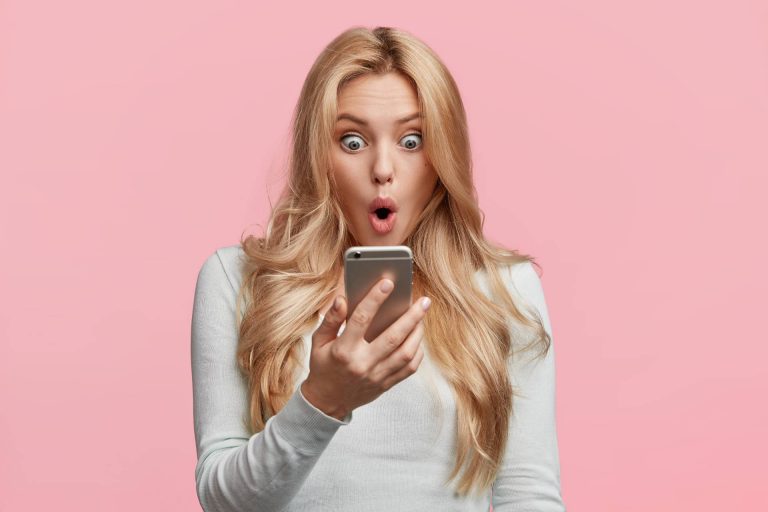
[[406, 371], [388, 341], [361, 317], [329, 327], [402, 356]]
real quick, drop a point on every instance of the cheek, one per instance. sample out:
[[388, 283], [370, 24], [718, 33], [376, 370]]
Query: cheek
[[347, 189], [426, 180], [426, 189], [340, 181]]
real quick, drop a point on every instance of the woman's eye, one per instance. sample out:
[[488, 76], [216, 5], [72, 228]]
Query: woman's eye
[[412, 143], [355, 142]]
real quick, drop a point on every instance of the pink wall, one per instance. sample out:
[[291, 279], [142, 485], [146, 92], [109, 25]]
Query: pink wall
[[623, 145]]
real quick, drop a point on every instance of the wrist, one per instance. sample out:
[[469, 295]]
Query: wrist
[[310, 395]]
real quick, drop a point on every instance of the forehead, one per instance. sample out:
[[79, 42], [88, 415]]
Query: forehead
[[387, 94]]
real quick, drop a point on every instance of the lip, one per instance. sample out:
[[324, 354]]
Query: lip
[[382, 226], [383, 202]]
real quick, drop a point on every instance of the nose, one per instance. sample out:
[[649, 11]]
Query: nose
[[383, 168]]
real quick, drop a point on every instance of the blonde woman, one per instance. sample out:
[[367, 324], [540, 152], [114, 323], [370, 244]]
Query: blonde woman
[[452, 408]]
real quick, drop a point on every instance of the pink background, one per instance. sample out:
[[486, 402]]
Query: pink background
[[624, 144]]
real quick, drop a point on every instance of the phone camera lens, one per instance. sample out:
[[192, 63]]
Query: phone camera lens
[[357, 254]]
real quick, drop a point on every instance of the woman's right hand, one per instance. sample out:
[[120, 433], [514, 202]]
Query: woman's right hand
[[346, 372]]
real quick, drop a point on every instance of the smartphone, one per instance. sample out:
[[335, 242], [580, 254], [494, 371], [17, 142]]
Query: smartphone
[[364, 266]]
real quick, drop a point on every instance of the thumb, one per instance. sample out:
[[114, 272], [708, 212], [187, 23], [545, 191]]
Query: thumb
[[332, 321]]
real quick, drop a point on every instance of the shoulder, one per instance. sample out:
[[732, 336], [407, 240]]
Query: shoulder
[[223, 267], [520, 278], [526, 284], [525, 280], [522, 282]]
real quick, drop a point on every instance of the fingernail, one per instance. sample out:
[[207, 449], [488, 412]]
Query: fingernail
[[425, 302], [337, 303], [386, 285]]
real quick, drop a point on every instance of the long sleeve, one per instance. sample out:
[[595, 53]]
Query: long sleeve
[[529, 479], [235, 471]]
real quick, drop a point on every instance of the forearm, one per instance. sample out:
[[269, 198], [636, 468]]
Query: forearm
[[265, 473]]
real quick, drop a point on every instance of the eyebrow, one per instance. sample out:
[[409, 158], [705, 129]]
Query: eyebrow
[[365, 123]]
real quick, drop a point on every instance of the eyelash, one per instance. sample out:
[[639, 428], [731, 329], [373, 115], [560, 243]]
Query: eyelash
[[358, 135]]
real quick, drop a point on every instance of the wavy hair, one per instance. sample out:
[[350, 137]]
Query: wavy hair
[[293, 270]]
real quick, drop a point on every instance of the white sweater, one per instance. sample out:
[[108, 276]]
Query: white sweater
[[388, 455]]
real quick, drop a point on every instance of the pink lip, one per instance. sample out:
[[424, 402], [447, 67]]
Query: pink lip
[[383, 202], [382, 226]]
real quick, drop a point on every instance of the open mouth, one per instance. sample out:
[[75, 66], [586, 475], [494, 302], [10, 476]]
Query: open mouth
[[382, 220], [382, 213]]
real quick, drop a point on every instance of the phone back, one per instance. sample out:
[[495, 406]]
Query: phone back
[[364, 266]]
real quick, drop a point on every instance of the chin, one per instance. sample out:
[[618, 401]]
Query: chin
[[374, 239], [370, 237]]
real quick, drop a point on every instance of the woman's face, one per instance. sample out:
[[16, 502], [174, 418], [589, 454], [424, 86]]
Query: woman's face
[[376, 154]]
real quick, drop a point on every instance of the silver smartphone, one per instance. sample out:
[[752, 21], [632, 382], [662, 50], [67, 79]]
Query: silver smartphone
[[364, 266]]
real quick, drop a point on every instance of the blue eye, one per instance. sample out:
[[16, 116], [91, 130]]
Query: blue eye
[[356, 142], [354, 145], [411, 144]]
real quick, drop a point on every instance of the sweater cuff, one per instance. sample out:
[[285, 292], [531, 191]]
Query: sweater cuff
[[305, 426]]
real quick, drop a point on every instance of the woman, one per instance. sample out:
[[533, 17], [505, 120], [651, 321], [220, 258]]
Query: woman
[[293, 409]]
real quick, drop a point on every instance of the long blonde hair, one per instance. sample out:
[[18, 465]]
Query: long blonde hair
[[292, 271]]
